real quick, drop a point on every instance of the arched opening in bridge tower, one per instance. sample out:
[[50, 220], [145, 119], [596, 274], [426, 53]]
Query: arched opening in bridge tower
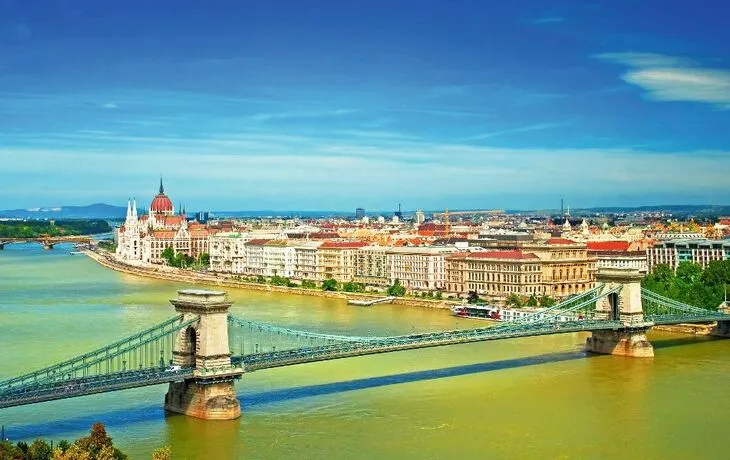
[[191, 346], [614, 306]]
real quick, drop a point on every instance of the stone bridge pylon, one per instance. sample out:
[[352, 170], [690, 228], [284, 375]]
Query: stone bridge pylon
[[624, 306], [210, 394]]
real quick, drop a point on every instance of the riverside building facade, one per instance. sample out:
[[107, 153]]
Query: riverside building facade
[[699, 251], [142, 239]]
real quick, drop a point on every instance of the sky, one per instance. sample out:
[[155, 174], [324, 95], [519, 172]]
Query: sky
[[337, 104]]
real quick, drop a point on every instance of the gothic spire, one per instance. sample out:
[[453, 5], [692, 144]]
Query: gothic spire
[[162, 189]]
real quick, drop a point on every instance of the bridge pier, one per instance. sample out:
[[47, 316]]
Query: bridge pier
[[210, 394], [624, 306], [722, 329], [47, 246]]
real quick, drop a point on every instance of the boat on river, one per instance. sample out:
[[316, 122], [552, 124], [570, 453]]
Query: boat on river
[[494, 313]]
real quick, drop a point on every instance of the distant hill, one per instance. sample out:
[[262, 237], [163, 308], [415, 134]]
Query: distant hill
[[93, 211]]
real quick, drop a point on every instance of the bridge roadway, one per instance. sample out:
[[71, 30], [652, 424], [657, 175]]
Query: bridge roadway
[[91, 385]]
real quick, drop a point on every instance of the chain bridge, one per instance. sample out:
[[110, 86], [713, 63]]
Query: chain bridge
[[202, 350]]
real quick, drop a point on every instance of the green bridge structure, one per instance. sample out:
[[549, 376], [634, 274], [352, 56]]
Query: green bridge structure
[[202, 350]]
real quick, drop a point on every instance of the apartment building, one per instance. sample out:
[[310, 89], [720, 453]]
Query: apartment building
[[336, 259], [278, 259], [496, 274], [371, 266], [699, 251], [306, 261], [617, 254], [419, 268]]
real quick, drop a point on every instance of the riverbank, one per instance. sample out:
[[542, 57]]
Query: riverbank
[[108, 260]]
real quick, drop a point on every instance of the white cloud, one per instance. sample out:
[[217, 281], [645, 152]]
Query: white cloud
[[522, 129], [334, 175], [301, 114], [642, 60], [710, 86], [110, 105], [669, 78]]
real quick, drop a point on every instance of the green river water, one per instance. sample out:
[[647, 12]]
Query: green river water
[[539, 397]]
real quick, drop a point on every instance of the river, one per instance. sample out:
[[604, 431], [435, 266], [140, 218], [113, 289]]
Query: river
[[539, 397]]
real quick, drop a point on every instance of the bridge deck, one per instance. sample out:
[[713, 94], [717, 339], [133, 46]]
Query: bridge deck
[[273, 359], [91, 385]]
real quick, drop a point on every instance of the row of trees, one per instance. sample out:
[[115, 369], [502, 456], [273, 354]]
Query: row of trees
[[35, 229], [691, 284], [97, 445], [182, 260], [396, 289]]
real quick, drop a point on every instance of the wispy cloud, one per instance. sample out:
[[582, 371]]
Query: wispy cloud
[[301, 114], [110, 106], [670, 78], [522, 129]]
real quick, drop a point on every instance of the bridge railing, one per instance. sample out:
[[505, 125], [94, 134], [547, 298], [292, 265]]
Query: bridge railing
[[149, 348], [285, 357]]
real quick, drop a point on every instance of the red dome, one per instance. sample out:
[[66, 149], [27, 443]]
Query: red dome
[[161, 203]]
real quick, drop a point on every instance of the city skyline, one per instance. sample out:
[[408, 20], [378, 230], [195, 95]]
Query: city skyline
[[331, 106]]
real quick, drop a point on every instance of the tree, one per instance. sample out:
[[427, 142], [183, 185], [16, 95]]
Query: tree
[[74, 452], [353, 287], [532, 301], [396, 289], [438, 295], [688, 272], [329, 285], [309, 284], [204, 259], [40, 450], [8, 451], [473, 297], [280, 281], [717, 273], [163, 453], [168, 254], [661, 275], [546, 301], [63, 445], [514, 300]]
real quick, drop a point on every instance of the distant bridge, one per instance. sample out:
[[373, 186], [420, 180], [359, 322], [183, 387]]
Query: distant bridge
[[48, 242], [202, 350]]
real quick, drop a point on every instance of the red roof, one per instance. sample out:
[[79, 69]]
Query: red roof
[[618, 246], [163, 234], [257, 242], [161, 203], [508, 255], [172, 220], [560, 241], [342, 244], [323, 235]]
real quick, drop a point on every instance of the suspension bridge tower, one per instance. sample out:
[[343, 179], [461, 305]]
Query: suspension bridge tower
[[210, 394], [625, 306]]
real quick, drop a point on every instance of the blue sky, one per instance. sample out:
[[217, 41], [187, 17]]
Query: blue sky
[[333, 104]]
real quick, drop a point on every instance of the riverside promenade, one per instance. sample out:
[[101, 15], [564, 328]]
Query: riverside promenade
[[109, 260]]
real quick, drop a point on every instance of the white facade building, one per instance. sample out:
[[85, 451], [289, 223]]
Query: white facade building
[[419, 268]]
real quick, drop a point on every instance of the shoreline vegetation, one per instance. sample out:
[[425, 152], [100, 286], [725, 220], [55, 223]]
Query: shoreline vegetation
[[97, 445], [108, 260], [39, 229]]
